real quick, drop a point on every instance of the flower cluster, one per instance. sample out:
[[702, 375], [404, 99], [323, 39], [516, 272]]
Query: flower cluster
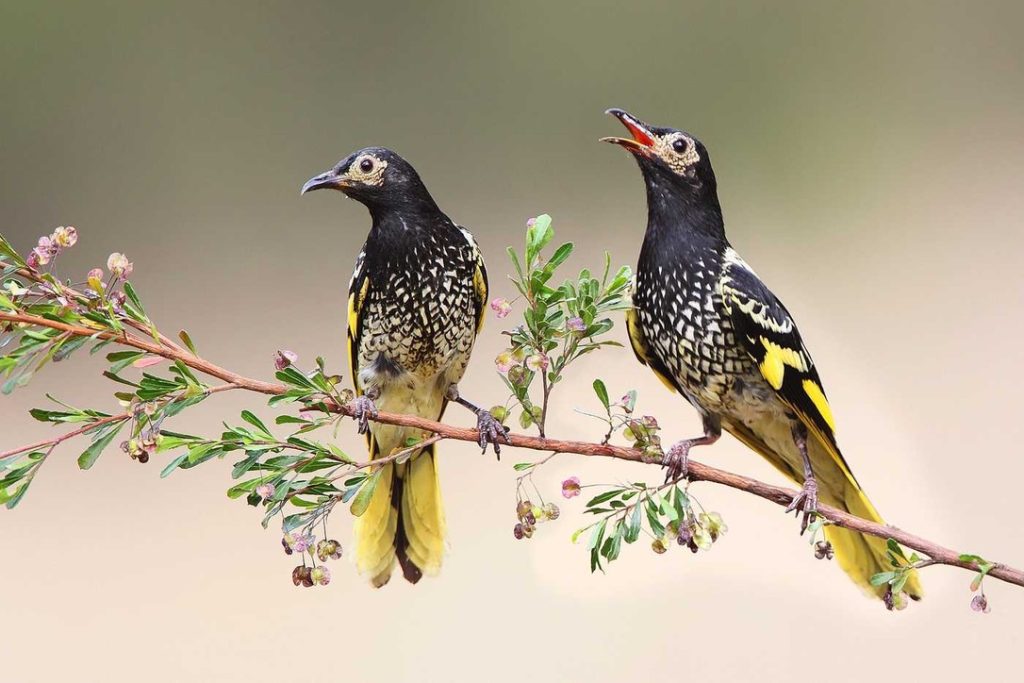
[[306, 543], [50, 246], [696, 532], [530, 515], [643, 433]]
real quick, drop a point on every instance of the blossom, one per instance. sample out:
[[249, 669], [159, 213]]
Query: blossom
[[501, 307], [284, 358], [65, 236], [265, 491], [575, 324], [504, 362], [39, 257], [320, 575], [537, 362], [714, 524], [571, 487], [95, 280], [328, 549], [119, 265], [979, 603], [300, 543]]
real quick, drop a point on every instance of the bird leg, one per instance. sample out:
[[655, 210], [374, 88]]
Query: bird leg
[[676, 461], [490, 429], [364, 408], [805, 502]]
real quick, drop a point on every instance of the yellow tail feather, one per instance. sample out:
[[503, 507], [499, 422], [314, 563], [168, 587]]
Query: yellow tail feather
[[404, 522], [860, 556]]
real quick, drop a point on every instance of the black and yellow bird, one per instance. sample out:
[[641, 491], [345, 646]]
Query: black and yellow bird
[[713, 331], [416, 303]]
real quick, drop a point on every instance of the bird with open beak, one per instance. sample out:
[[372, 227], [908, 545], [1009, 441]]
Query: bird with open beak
[[712, 331]]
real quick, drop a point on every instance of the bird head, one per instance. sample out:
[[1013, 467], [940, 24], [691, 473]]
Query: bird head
[[376, 177], [666, 156]]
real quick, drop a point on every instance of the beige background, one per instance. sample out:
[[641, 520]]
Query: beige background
[[869, 158]]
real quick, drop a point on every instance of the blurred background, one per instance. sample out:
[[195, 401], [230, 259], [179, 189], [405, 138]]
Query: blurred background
[[869, 162]]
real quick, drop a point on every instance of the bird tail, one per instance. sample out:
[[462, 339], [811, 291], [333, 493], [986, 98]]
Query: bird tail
[[859, 555], [404, 521]]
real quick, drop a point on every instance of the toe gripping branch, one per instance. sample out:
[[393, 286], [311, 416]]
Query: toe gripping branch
[[490, 429]]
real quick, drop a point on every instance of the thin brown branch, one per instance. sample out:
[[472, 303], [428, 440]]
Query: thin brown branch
[[49, 443], [696, 472]]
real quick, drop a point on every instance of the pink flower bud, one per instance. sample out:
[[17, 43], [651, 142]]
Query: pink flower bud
[[501, 307], [571, 487], [119, 265], [284, 358], [265, 491]]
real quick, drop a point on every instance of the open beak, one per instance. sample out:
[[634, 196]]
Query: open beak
[[327, 180], [642, 140]]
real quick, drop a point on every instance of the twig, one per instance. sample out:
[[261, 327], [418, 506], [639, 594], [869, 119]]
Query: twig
[[696, 472], [95, 424]]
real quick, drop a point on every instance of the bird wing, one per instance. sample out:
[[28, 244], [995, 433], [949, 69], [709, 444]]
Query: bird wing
[[644, 353], [767, 332], [480, 284], [357, 290]]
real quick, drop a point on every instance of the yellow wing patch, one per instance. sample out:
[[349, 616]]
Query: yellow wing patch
[[817, 397], [480, 287], [776, 358], [643, 354], [355, 305]]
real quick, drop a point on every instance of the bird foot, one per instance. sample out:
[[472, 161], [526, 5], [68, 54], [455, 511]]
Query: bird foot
[[805, 503], [677, 460], [491, 432], [363, 409]]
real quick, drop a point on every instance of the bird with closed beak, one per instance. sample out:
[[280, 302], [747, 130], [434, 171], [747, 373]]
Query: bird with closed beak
[[415, 306], [712, 331]]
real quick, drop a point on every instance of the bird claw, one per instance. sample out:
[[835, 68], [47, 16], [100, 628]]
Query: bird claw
[[805, 504], [491, 432], [677, 461], [363, 409]]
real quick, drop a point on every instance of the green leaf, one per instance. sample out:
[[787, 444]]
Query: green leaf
[[602, 393], [15, 498], [882, 578], [365, 495], [99, 442], [187, 341], [133, 299], [249, 417], [603, 497], [523, 466], [559, 257], [239, 490], [173, 465], [632, 532]]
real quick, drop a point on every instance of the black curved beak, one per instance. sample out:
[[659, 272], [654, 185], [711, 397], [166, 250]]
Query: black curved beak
[[642, 139], [326, 180]]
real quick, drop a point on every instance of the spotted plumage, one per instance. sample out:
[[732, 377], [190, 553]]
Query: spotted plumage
[[713, 331], [415, 305]]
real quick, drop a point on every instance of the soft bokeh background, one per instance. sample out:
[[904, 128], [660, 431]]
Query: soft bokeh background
[[869, 158]]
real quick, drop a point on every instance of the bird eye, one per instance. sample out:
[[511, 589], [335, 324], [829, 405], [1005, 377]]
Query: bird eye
[[366, 165], [679, 146]]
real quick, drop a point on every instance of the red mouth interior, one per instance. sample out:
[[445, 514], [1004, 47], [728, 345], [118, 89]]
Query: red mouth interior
[[638, 133]]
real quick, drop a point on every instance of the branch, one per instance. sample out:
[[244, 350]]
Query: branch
[[696, 472]]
